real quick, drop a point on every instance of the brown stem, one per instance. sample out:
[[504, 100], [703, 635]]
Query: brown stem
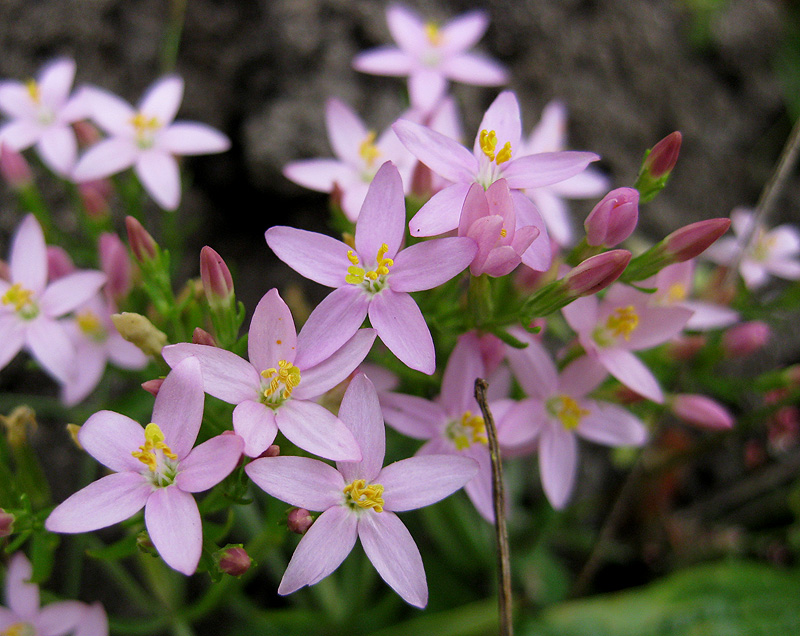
[[498, 497]]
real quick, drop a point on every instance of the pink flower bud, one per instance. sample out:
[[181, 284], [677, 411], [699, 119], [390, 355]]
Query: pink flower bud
[[233, 560], [299, 520], [14, 168], [273, 450], [663, 156], [115, 263], [95, 196], [596, 272], [59, 263], [217, 280], [745, 338], [614, 218], [202, 337], [701, 411], [693, 239], [685, 347], [86, 133], [152, 386], [5, 271], [6, 523], [143, 246]]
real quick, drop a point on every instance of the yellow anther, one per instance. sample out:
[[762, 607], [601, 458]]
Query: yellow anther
[[33, 90], [90, 324], [18, 296], [623, 321], [567, 410], [504, 154], [286, 374], [365, 496], [356, 275], [368, 151], [19, 629], [153, 441], [17, 424], [433, 33], [143, 124], [470, 429], [351, 256], [504, 232], [488, 142], [677, 293]]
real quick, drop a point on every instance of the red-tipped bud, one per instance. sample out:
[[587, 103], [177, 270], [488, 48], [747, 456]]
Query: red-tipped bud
[[596, 272], [273, 450], [59, 263], [614, 218], [233, 560], [217, 280], [663, 156], [202, 337], [86, 133], [143, 246], [692, 240], [153, 386], [686, 347], [299, 520], [701, 411], [14, 168], [745, 338], [95, 196], [6, 523], [115, 263], [5, 271]]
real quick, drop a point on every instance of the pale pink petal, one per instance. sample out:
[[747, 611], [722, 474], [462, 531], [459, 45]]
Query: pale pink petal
[[549, 134], [422, 480], [15, 100], [316, 256], [611, 425], [534, 171], [163, 99], [255, 423], [70, 292], [503, 117], [394, 554], [784, 240], [111, 438], [501, 260], [475, 69], [49, 343], [272, 336], [585, 185], [28, 260], [346, 131], [520, 424], [55, 81], [413, 416], [428, 264], [22, 597], [581, 376], [332, 323], [318, 174], [709, 316], [160, 176], [533, 366], [113, 114], [94, 621], [321, 550], [581, 314], [426, 86], [88, 373], [20, 134], [558, 464], [102, 503], [361, 413], [788, 269], [105, 158], [464, 366], [124, 354], [555, 213], [7, 617], [327, 374], [175, 528], [299, 481], [385, 60], [479, 489], [485, 232], [192, 138], [59, 618], [353, 195], [441, 213], [383, 216], [464, 31], [402, 328], [406, 28], [58, 149], [657, 325], [225, 375], [315, 429], [445, 156], [209, 463], [476, 207], [629, 370], [13, 330], [178, 409]]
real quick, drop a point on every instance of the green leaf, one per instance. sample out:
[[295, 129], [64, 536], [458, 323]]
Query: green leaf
[[125, 547]]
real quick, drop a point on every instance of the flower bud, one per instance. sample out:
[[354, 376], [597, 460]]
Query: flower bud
[[143, 246], [6, 523], [115, 263], [233, 560], [614, 218], [217, 280], [95, 196], [273, 450], [657, 166], [17, 424], [14, 168], [685, 347], [86, 133], [72, 431], [140, 331], [153, 386], [59, 263], [701, 411], [596, 272], [299, 520], [202, 337], [5, 271], [692, 240], [745, 338]]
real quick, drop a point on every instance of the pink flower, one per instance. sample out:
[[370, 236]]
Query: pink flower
[[359, 154], [701, 411], [29, 307], [550, 135], [558, 412], [42, 111], [154, 468], [276, 389], [147, 138], [431, 55], [375, 278], [775, 251], [24, 615], [496, 155], [623, 322], [359, 500]]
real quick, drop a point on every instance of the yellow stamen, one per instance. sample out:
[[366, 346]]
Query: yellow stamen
[[19, 629], [351, 256], [488, 142], [368, 151], [18, 296], [144, 124], [471, 429], [153, 441], [357, 275], [505, 154], [286, 374], [433, 33], [677, 293], [33, 90], [89, 323], [365, 496], [504, 232], [567, 410], [623, 321]]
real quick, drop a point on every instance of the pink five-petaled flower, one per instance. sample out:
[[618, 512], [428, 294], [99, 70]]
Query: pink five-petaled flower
[[359, 154], [623, 322], [146, 138], [276, 389], [24, 616], [155, 468], [42, 111], [558, 410], [373, 279], [430, 55], [360, 499], [495, 155], [488, 218], [29, 307]]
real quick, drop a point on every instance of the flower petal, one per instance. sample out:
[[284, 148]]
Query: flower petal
[[272, 335], [318, 174], [299, 481], [406, 28], [632, 372], [209, 463], [59, 618], [111, 438], [413, 270], [445, 156], [49, 343], [314, 428], [441, 213], [58, 149], [55, 81], [178, 409], [464, 366], [163, 99], [71, 291], [159, 174], [361, 413], [464, 31], [316, 256], [384, 60], [558, 464], [611, 425], [422, 480], [327, 374], [426, 87], [503, 117], [383, 216], [192, 138], [28, 259], [475, 69], [22, 597], [112, 113], [413, 416], [20, 134], [402, 328], [346, 131], [479, 489], [15, 100], [13, 330], [533, 366], [105, 158], [175, 528], [545, 168], [255, 423], [581, 376]]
